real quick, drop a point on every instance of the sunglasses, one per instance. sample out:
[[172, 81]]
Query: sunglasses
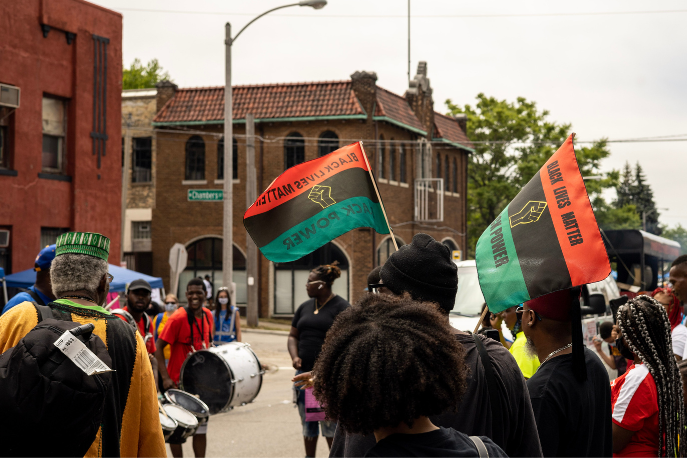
[[374, 287], [519, 310], [110, 277]]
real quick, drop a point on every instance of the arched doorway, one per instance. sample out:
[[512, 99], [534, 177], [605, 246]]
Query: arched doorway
[[290, 278], [386, 248], [205, 258]]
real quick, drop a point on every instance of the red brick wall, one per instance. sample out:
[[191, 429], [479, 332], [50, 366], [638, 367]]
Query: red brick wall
[[38, 65]]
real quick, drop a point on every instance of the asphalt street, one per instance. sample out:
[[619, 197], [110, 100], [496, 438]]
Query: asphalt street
[[269, 426]]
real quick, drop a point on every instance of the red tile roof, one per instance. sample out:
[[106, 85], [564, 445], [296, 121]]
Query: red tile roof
[[448, 128], [396, 107], [268, 101]]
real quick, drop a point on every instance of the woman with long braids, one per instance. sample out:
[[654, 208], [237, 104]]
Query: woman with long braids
[[310, 324], [648, 402]]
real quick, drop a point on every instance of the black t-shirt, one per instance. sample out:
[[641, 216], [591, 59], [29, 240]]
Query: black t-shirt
[[441, 442], [518, 436], [313, 328], [573, 418]]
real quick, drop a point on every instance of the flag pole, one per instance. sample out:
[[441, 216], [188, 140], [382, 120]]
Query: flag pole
[[381, 203]]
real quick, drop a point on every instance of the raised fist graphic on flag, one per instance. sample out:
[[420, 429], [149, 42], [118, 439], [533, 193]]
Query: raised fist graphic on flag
[[321, 195], [530, 213]]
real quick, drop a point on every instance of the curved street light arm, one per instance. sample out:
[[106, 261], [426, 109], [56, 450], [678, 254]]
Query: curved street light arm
[[258, 17]]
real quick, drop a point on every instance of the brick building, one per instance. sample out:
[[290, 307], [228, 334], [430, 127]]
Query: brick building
[[60, 94], [407, 142], [139, 107]]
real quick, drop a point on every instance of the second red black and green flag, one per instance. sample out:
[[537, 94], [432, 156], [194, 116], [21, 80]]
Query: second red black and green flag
[[545, 240]]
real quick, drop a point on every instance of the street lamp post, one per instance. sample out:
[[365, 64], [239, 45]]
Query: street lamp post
[[228, 243]]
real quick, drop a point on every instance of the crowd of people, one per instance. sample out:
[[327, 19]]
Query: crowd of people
[[391, 375]]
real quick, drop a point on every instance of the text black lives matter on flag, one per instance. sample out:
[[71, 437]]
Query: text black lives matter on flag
[[545, 240], [313, 203]]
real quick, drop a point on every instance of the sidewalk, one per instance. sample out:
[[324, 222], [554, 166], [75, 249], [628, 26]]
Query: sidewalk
[[265, 325]]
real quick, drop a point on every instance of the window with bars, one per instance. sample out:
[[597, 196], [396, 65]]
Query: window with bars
[[54, 133], [49, 235], [141, 164], [402, 164], [455, 175], [294, 150], [447, 174], [392, 161], [380, 157], [234, 158], [327, 143], [141, 230], [195, 158]]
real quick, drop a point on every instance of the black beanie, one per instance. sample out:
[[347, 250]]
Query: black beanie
[[424, 269]]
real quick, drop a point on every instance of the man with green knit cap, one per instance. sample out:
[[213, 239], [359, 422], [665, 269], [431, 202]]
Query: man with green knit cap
[[80, 282]]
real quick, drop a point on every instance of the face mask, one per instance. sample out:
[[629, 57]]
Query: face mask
[[223, 300], [612, 344], [622, 348], [169, 306]]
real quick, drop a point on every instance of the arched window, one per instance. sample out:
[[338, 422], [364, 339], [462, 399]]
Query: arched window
[[328, 142], [455, 174], [402, 164], [438, 166], [447, 174], [294, 150], [380, 157], [205, 258], [195, 158], [290, 278], [450, 244], [220, 159], [392, 161], [386, 248]]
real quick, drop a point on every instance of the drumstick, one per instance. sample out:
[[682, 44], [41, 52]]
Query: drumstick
[[162, 408], [111, 303]]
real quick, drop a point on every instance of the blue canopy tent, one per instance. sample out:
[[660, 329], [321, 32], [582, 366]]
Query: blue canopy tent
[[122, 277]]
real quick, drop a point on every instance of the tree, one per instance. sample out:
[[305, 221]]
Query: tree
[[139, 76], [512, 142], [679, 234], [625, 188], [643, 198]]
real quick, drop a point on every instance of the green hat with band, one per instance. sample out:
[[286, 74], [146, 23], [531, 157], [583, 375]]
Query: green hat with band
[[90, 243]]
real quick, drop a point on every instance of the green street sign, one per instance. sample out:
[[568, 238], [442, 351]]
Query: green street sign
[[205, 195]]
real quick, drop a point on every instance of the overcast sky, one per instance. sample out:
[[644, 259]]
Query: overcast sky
[[620, 76]]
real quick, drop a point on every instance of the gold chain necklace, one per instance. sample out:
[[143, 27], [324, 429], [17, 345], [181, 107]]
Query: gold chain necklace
[[317, 309]]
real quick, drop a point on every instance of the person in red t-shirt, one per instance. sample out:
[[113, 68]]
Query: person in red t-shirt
[[647, 401], [185, 334]]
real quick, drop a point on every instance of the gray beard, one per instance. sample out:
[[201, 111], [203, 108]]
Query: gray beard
[[530, 348]]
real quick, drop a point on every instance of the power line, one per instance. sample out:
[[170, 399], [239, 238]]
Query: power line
[[403, 16]]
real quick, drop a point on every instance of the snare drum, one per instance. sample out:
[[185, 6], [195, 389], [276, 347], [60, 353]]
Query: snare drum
[[223, 377], [190, 403], [187, 423], [169, 424]]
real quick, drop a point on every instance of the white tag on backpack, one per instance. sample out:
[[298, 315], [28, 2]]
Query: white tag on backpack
[[75, 350]]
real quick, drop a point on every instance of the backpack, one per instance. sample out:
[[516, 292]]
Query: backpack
[[50, 407]]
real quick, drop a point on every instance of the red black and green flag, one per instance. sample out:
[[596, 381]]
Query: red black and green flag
[[545, 240], [313, 203]]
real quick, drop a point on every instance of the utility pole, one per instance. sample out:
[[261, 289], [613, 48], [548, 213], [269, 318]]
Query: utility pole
[[125, 181], [228, 220], [251, 249]]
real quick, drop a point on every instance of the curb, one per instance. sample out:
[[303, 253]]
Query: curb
[[266, 331]]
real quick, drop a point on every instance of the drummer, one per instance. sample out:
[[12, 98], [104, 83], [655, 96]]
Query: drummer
[[227, 318], [187, 330]]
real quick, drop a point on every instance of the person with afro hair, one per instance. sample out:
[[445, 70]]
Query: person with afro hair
[[413, 368]]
